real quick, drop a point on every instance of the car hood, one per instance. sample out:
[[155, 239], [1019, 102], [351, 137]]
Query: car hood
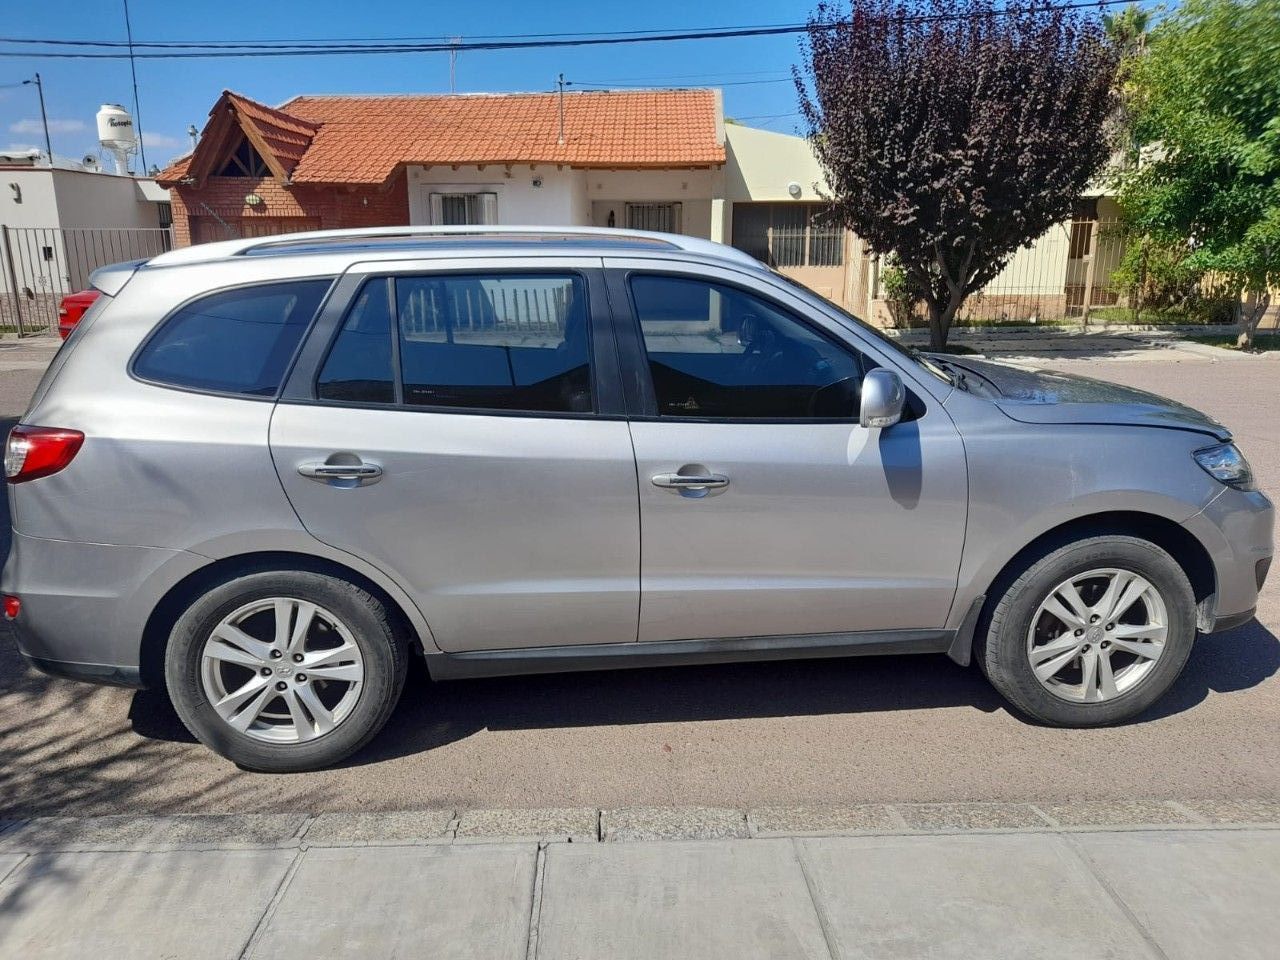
[[1047, 396]]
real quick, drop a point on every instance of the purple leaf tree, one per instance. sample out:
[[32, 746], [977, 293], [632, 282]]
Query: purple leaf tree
[[952, 133]]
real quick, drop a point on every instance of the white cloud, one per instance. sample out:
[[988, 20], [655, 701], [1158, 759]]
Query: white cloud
[[162, 141], [18, 147], [55, 126]]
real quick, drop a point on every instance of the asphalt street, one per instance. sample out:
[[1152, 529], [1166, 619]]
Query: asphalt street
[[894, 729]]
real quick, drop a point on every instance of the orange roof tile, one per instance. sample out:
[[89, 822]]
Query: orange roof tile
[[363, 139]]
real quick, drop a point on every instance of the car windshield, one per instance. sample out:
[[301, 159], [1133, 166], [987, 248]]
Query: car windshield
[[930, 364]]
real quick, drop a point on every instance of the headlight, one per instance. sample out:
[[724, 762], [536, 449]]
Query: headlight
[[1225, 463]]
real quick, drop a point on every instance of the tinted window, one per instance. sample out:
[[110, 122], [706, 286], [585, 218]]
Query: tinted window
[[358, 368], [719, 352], [237, 341], [495, 342]]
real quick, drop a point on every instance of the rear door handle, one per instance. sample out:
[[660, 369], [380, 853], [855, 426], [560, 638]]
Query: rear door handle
[[691, 482], [343, 469]]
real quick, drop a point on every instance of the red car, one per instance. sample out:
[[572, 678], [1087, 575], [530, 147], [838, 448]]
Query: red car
[[72, 308]]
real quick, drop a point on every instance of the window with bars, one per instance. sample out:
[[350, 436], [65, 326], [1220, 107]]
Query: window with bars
[[464, 209], [660, 217], [788, 234]]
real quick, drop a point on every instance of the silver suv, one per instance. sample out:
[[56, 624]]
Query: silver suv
[[262, 472]]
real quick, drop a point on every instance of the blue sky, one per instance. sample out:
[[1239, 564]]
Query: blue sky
[[174, 93]]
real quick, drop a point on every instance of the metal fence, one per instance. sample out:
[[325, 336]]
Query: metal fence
[[1067, 275], [41, 265]]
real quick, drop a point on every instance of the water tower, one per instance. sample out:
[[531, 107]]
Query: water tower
[[116, 134]]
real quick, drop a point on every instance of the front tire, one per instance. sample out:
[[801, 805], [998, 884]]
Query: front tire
[[1091, 634], [283, 671]]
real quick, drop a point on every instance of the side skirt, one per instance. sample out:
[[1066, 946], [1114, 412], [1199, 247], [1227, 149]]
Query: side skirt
[[670, 653]]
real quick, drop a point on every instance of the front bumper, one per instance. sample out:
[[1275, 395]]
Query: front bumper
[[85, 605], [1237, 529]]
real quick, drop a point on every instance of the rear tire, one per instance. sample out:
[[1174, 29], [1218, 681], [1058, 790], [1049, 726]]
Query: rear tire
[[284, 671], [1092, 633]]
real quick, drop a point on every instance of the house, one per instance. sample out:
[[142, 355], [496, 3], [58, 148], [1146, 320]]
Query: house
[[61, 221], [664, 159], [646, 159]]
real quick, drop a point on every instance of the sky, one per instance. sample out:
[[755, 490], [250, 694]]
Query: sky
[[753, 72]]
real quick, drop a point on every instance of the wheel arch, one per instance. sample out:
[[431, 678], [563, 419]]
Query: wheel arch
[[155, 634], [1172, 537]]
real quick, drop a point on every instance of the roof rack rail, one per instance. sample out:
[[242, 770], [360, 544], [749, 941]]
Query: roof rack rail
[[221, 249]]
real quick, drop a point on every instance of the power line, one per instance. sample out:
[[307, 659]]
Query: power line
[[355, 47], [644, 86]]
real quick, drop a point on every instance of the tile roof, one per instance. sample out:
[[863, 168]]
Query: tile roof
[[286, 136], [363, 139]]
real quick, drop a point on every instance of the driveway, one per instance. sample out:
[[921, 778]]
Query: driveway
[[893, 729]]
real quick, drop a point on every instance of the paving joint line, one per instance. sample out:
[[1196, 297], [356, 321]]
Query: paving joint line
[[260, 928], [824, 921], [1083, 856], [1051, 821], [10, 872], [535, 903]]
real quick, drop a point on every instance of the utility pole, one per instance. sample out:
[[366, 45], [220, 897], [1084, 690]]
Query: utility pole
[[133, 69], [560, 83], [44, 117]]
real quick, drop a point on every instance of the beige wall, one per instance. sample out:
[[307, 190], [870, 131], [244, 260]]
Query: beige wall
[[762, 164]]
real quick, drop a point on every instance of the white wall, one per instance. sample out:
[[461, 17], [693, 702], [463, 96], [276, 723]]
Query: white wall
[[611, 190], [79, 219], [567, 196], [559, 201]]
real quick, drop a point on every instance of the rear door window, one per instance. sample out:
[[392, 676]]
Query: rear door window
[[234, 341], [479, 342]]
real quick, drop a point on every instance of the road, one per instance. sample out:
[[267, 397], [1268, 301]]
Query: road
[[894, 729]]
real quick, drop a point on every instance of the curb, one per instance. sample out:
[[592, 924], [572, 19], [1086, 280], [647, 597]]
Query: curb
[[622, 825]]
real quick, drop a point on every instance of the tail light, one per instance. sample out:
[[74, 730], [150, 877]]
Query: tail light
[[34, 452]]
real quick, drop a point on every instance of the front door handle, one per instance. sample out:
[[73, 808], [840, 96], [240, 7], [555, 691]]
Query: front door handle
[[342, 470], [692, 482]]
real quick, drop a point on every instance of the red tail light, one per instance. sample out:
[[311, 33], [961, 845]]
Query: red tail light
[[12, 607], [34, 452]]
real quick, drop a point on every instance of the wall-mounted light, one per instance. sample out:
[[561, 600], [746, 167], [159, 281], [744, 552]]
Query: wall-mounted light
[[537, 182], [17, 192], [793, 188], [252, 200]]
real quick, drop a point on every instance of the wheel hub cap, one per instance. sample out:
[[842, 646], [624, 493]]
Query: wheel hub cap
[[282, 670], [1097, 635]]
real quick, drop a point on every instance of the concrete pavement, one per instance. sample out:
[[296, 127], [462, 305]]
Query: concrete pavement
[[1163, 881]]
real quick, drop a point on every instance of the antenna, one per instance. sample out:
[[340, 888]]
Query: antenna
[[453, 61], [560, 83]]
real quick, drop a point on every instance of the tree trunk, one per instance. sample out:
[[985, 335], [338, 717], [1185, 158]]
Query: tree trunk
[[938, 327], [1251, 316]]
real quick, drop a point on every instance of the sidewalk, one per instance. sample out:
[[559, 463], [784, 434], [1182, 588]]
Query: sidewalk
[[1132, 880]]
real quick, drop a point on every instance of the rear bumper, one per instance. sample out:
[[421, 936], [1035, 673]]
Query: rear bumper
[[1237, 529], [85, 605]]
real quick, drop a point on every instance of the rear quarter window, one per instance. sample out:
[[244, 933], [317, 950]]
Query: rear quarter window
[[234, 341]]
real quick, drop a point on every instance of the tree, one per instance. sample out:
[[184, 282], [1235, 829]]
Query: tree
[[952, 134], [1205, 101]]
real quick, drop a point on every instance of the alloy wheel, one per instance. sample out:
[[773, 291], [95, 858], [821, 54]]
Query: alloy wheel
[[282, 670], [1097, 635]]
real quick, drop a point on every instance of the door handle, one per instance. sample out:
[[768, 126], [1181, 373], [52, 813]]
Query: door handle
[[690, 482], [341, 469]]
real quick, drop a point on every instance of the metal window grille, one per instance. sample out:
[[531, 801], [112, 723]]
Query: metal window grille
[[660, 217]]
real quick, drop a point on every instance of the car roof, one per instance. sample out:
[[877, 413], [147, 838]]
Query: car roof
[[429, 242]]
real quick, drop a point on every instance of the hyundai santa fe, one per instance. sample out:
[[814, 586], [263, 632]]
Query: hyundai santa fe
[[262, 473]]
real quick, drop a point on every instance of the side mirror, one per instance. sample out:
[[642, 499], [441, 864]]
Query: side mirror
[[883, 398]]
